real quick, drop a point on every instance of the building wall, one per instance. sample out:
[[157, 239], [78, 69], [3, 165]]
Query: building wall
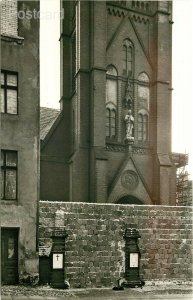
[[95, 256], [20, 53], [54, 165]]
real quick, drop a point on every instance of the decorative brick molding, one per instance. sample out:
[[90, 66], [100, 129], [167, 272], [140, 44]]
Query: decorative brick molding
[[124, 148], [116, 148], [95, 248], [130, 179]]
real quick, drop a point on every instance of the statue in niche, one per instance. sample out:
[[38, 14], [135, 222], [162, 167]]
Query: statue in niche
[[128, 95], [129, 120]]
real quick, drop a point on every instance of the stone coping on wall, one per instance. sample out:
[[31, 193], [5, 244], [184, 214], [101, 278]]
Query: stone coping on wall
[[121, 205], [12, 38]]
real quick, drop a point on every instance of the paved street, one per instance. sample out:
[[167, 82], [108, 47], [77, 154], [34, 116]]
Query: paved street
[[162, 292], [118, 296]]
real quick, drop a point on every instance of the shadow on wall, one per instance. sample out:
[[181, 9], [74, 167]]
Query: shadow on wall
[[129, 199]]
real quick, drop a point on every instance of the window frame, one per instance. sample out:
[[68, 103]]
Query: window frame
[[107, 123], [128, 57], [143, 81], [4, 168], [142, 127], [111, 123], [7, 87], [111, 107]]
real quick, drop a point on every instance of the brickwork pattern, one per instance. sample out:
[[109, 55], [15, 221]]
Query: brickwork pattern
[[185, 197], [95, 254], [9, 22]]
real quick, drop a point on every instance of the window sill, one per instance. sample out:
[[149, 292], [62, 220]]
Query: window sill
[[12, 39], [10, 117], [9, 202]]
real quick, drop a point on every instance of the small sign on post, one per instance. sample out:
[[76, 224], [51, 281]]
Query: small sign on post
[[132, 257], [134, 260], [57, 260]]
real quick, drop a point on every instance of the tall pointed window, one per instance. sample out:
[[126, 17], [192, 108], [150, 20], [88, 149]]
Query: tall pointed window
[[143, 108], [128, 57], [111, 102]]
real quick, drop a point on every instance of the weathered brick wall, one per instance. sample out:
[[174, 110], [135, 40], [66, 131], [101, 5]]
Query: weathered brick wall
[[9, 21], [185, 197], [95, 245]]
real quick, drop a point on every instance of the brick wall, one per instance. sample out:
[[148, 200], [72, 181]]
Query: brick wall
[[95, 245], [9, 22], [185, 196]]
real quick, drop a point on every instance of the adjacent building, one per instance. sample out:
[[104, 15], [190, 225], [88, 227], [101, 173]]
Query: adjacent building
[[112, 140], [19, 140]]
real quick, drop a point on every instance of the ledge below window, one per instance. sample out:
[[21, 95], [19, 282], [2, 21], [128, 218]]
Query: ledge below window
[[9, 202], [12, 39]]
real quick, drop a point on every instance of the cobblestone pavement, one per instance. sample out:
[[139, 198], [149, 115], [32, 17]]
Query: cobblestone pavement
[[115, 297], [161, 292]]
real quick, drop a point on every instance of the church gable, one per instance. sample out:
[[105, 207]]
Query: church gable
[[129, 183], [130, 26], [127, 30]]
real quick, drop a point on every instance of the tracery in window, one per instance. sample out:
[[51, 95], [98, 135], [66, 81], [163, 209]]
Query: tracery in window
[[111, 102]]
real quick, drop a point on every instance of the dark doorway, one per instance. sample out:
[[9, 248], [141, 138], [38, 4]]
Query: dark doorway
[[9, 256], [129, 200]]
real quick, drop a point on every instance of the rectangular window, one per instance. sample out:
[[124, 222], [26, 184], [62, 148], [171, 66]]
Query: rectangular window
[[9, 92], [9, 162]]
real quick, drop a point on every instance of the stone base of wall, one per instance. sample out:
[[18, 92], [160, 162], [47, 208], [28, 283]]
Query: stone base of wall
[[95, 254], [29, 279]]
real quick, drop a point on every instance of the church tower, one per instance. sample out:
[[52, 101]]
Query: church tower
[[116, 101]]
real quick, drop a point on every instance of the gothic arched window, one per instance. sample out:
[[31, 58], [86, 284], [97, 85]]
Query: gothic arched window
[[108, 113], [143, 108], [128, 57], [111, 102], [140, 127]]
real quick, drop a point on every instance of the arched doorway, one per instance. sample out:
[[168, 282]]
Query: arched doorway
[[129, 199]]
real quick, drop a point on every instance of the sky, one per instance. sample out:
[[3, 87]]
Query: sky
[[182, 62]]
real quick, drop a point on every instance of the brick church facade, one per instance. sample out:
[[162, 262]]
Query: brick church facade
[[112, 140]]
